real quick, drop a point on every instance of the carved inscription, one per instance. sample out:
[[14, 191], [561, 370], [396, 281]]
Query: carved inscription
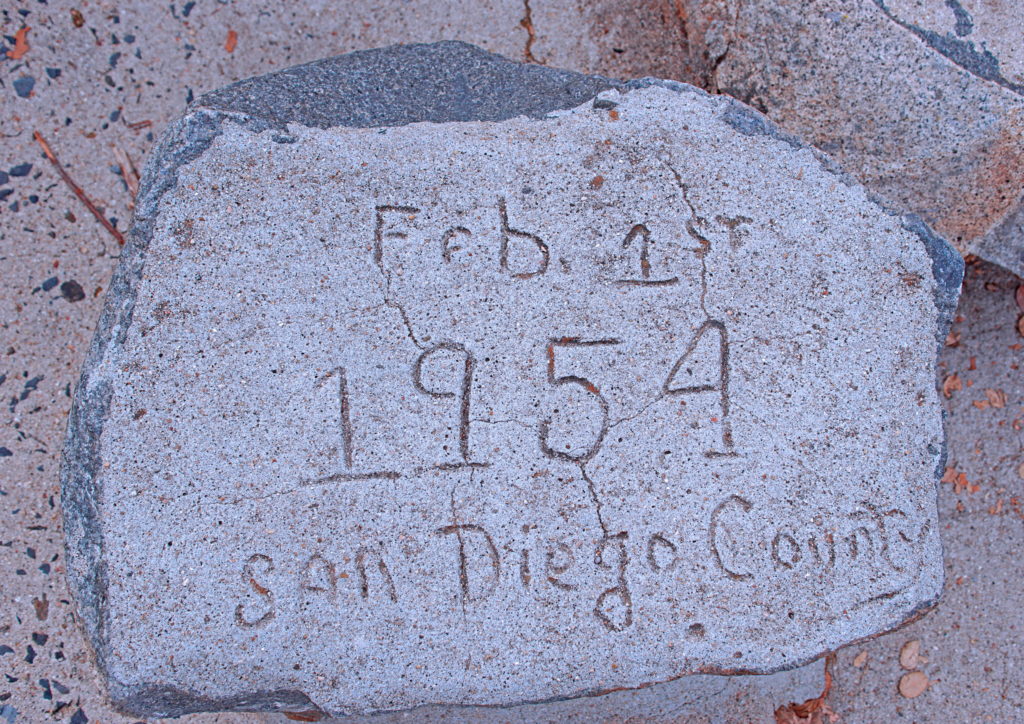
[[319, 575], [522, 254], [368, 557], [867, 535], [640, 236], [348, 472], [379, 233], [701, 369], [560, 560], [462, 395], [469, 535], [475, 565], [614, 607], [558, 380], [662, 554], [259, 612], [574, 402], [704, 367]]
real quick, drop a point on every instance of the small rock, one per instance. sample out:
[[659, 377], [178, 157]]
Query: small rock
[[910, 655], [353, 367], [860, 659], [914, 684], [23, 86], [72, 291]]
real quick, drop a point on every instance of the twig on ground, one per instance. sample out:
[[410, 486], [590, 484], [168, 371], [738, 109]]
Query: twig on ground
[[128, 172], [812, 711], [77, 189]]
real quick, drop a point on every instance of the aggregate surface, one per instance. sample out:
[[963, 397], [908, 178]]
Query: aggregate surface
[[90, 93]]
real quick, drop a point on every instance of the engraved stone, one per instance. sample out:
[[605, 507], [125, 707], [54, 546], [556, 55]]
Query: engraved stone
[[428, 377]]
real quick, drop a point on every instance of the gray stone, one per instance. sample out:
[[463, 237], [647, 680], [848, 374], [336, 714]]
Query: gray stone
[[390, 407], [922, 100], [697, 699]]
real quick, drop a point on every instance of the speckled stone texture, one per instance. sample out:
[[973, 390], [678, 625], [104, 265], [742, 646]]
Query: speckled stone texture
[[922, 100], [390, 407]]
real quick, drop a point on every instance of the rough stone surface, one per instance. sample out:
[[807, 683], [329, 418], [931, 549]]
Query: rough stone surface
[[148, 63], [491, 412], [922, 100], [972, 662]]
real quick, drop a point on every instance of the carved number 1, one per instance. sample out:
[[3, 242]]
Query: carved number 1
[[462, 395]]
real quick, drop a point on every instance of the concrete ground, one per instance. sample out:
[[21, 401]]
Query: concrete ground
[[99, 80]]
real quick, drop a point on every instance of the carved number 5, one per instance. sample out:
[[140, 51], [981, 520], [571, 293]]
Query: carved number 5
[[558, 380]]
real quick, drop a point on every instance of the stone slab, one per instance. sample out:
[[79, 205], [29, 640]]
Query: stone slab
[[391, 407], [922, 100]]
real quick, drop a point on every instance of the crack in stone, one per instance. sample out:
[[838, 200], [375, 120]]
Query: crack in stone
[[389, 302], [691, 228], [711, 81], [982, 65], [593, 495], [531, 33], [524, 425], [684, 188], [641, 412], [405, 320]]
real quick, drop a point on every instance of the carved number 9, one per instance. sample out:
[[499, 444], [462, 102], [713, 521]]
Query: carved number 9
[[559, 380]]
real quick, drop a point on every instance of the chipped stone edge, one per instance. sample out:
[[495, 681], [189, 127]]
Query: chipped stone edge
[[913, 616], [189, 137], [947, 263], [1004, 243]]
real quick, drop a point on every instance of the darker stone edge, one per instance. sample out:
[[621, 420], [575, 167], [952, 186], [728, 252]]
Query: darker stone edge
[[168, 701], [441, 82], [947, 263], [915, 614], [1004, 244], [81, 457], [189, 137], [947, 268]]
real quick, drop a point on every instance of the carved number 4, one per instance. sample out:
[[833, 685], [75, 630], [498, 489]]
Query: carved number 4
[[704, 367]]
